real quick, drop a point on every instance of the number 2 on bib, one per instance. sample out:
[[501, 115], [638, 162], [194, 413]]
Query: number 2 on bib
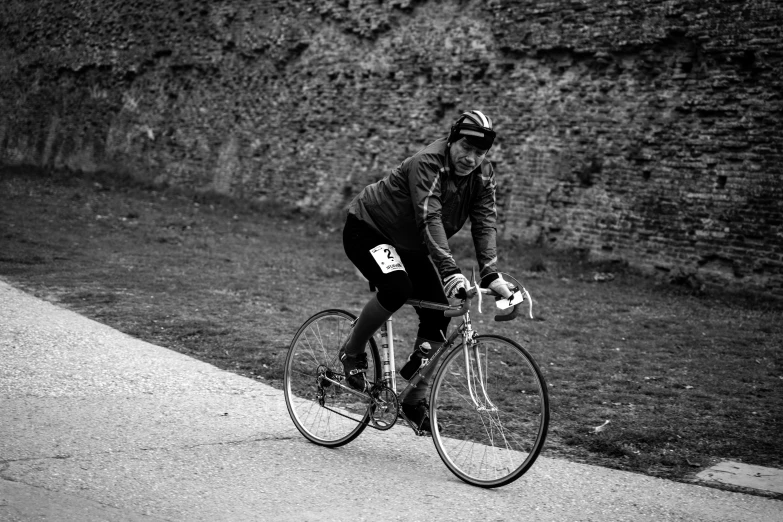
[[387, 258]]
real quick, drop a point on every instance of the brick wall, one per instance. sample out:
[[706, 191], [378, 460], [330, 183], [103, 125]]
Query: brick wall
[[643, 130]]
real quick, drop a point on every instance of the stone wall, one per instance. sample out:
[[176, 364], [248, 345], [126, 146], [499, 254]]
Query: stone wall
[[643, 130]]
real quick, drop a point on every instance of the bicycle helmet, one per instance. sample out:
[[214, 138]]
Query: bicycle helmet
[[475, 127]]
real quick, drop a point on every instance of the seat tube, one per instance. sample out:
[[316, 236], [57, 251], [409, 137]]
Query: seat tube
[[387, 355]]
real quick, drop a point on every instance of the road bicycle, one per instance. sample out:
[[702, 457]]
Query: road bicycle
[[489, 404]]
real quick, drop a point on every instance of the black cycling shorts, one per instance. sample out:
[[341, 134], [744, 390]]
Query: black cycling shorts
[[418, 280]]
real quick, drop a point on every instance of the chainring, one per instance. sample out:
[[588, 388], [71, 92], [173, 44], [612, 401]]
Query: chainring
[[385, 407]]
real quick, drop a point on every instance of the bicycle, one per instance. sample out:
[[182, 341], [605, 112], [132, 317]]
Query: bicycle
[[489, 404]]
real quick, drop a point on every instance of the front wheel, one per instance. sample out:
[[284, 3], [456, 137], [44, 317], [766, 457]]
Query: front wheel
[[489, 411], [322, 411]]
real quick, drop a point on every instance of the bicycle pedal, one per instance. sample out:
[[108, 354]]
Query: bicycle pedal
[[380, 424]]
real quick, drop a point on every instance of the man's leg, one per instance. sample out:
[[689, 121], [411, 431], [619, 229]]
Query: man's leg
[[422, 390], [392, 283], [432, 330], [353, 354]]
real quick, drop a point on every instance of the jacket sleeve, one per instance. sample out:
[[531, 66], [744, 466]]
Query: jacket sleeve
[[424, 178], [483, 228]]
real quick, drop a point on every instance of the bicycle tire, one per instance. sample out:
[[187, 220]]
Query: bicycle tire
[[342, 416], [483, 447]]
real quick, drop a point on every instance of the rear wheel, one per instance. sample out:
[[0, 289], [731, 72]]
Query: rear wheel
[[489, 411], [322, 411]]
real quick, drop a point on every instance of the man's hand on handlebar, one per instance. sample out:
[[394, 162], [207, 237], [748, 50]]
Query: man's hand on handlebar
[[501, 287], [456, 285]]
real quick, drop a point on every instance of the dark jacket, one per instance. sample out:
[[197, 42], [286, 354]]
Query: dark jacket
[[421, 204]]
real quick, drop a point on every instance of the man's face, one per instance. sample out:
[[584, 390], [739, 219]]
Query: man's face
[[465, 157]]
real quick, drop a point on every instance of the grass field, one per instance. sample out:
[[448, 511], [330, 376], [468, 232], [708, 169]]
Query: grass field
[[685, 379]]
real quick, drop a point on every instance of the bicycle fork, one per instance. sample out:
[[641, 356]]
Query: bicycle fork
[[470, 347]]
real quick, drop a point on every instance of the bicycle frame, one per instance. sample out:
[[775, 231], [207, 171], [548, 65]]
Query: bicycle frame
[[464, 330]]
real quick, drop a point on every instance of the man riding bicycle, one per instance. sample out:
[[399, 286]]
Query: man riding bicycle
[[397, 234]]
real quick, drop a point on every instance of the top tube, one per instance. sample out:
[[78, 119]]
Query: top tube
[[451, 310], [431, 305]]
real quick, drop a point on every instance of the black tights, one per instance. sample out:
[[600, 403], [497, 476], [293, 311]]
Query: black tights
[[419, 280]]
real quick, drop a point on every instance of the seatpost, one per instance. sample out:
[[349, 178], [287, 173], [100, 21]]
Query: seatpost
[[387, 355]]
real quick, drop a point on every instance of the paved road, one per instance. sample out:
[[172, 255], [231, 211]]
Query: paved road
[[96, 425]]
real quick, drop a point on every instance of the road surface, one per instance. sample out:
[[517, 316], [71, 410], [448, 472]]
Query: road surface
[[96, 425]]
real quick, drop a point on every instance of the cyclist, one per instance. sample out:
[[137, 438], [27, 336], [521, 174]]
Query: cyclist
[[396, 234]]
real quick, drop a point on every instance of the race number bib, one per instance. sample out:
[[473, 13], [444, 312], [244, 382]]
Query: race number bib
[[387, 258], [516, 298]]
